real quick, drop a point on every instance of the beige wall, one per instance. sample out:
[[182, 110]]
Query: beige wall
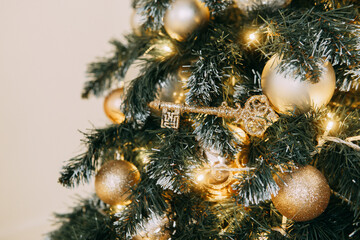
[[44, 48]]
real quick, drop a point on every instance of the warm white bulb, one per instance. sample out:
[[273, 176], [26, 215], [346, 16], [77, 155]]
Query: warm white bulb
[[329, 126], [252, 36], [200, 178], [167, 49]]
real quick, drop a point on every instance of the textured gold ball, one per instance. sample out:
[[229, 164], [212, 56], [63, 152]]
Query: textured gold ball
[[304, 194], [114, 181], [185, 16], [112, 106], [286, 92]]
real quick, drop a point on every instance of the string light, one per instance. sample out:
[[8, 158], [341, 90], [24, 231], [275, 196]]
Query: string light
[[200, 178], [329, 126], [252, 36], [117, 208]]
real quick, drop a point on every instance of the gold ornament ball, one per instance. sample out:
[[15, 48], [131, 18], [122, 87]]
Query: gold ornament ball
[[286, 92], [137, 21], [114, 181], [249, 5], [112, 105], [185, 16], [304, 194]]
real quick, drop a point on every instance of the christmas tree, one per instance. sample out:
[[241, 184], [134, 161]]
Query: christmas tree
[[243, 123]]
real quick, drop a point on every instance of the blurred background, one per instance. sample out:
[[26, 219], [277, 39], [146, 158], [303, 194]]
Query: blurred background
[[45, 46]]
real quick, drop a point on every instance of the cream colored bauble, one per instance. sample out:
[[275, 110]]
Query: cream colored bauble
[[288, 93], [185, 16], [249, 5]]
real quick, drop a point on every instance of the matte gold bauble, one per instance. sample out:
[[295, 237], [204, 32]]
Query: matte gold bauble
[[185, 16], [249, 5], [304, 194], [112, 105], [286, 92], [137, 21], [153, 229], [114, 181]]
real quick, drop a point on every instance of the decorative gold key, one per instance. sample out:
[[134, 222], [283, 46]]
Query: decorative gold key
[[255, 117]]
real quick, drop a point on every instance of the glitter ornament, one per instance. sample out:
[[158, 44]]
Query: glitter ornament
[[114, 181], [185, 16], [153, 229], [286, 92], [112, 105], [249, 5], [137, 21], [304, 194]]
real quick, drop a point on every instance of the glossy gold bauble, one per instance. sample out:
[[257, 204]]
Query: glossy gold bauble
[[137, 21], [249, 5], [185, 16], [286, 92], [114, 181], [112, 105], [304, 194]]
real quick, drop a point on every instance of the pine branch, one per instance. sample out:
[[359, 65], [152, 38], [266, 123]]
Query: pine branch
[[341, 163], [335, 223], [193, 218], [153, 11], [86, 222], [214, 135], [287, 142], [304, 38], [148, 199], [256, 186], [173, 161], [101, 143], [109, 70]]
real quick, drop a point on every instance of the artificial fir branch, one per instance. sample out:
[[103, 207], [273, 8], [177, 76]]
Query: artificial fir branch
[[334, 223], [287, 143], [153, 11], [214, 135], [101, 143], [340, 162], [148, 198], [305, 37], [192, 217], [87, 221], [172, 164], [107, 71]]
